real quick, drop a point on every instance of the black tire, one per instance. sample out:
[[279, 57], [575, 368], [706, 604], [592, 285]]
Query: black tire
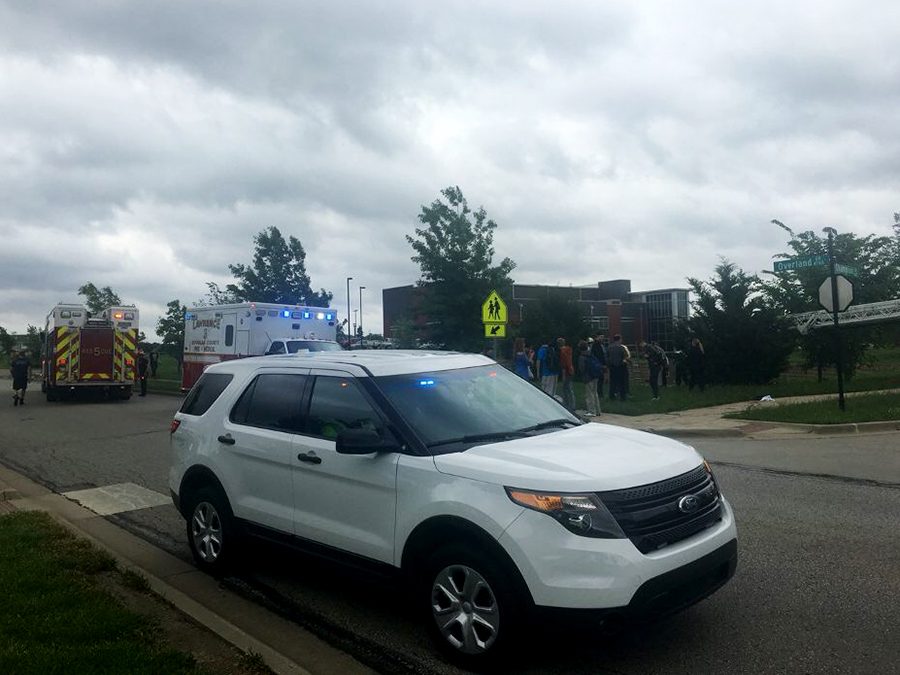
[[52, 394], [125, 394], [474, 604], [211, 532]]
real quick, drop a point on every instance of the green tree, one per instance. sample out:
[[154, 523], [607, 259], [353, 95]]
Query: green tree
[[796, 291], [549, 319], [454, 249], [170, 327], [98, 299], [34, 337], [746, 341], [6, 343], [278, 274]]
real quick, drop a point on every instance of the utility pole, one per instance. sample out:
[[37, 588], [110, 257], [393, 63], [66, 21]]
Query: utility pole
[[838, 343], [362, 338], [349, 279]]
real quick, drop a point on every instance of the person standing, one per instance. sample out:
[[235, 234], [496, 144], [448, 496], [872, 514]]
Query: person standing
[[20, 368], [548, 358], [696, 362], [598, 351], [154, 363], [143, 368], [521, 363], [590, 369], [566, 373], [617, 361], [656, 360]]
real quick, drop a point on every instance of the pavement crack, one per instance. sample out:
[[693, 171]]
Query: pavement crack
[[807, 474]]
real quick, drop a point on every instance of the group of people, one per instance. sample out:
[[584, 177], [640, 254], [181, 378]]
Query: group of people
[[555, 367]]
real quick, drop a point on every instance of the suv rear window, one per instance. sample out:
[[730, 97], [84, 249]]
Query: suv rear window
[[208, 388]]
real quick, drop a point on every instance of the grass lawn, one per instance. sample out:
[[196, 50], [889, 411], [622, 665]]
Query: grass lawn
[[859, 408], [168, 379], [881, 371], [56, 618]]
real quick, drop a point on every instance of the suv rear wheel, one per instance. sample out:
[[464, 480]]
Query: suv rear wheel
[[474, 612], [211, 532]]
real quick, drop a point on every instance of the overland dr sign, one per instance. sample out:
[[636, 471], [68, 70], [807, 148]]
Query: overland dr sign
[[801, 263]]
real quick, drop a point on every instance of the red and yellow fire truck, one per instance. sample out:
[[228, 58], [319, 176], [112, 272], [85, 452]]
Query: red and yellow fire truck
[[84, 352]]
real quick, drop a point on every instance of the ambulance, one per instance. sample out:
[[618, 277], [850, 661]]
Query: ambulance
[[80, 351], [224, 332]]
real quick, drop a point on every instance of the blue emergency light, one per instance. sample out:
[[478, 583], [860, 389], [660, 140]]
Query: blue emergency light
[[286, 313]]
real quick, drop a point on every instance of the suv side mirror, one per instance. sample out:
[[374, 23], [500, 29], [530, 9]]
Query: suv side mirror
[[364, 442]]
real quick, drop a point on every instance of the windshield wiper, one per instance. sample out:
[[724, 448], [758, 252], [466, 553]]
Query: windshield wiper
[[476, 438], [561, 422]]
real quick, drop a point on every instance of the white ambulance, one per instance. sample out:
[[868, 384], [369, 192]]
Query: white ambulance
[[223, 332]]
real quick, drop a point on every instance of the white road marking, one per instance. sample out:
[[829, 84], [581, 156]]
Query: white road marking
[[119, 498]]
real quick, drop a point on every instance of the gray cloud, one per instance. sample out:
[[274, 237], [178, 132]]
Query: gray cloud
[[142, 145]]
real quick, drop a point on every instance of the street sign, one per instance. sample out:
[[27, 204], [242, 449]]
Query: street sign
[[849, 270], [493, 310], [495, 330], [844, 294], [801, 263]]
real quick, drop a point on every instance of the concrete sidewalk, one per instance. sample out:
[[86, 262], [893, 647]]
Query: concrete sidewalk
[[709, 422]]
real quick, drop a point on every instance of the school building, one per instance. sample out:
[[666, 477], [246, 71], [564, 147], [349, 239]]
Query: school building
[[609, 307]]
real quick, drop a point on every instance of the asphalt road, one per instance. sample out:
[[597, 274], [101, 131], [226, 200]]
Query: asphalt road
[[817, 588]]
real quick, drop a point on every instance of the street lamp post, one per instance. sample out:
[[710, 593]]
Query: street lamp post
[[362, 339], [349, 279]]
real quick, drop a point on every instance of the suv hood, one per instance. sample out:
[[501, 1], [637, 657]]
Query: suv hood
[[589, 458]]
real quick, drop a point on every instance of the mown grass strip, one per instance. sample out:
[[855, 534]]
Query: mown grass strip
[[858, 408], [55, 618]]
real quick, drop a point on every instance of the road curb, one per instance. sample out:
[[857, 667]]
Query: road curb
[[696, 433]]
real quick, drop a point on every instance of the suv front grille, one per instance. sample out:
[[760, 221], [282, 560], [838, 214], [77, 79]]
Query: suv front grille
[[651, 517]]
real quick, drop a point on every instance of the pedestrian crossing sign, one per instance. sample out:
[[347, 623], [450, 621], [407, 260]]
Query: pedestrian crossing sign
[[495, 330], [494, 310]]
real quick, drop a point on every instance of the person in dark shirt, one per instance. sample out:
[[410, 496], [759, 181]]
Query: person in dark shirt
[[19, 368], [143, 368]]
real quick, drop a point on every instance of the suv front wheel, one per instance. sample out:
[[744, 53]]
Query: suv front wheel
[[474, 610], [210, 531]]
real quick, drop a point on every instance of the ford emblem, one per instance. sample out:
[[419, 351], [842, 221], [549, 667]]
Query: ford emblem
[[688, 504]]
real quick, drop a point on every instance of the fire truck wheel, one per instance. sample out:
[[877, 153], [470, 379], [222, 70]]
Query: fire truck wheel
[[52, 394], [211, 532], [125, 393]]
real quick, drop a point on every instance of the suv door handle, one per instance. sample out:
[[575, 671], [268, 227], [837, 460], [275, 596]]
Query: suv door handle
[[226, 439], [309, 457]]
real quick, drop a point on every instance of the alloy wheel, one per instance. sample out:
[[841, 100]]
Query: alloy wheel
[[206, 532], [465, 609]]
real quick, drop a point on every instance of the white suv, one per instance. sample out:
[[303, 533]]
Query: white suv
[[490, 497]]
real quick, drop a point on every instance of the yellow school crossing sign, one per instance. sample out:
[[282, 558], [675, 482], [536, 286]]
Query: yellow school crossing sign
[[494, 316]]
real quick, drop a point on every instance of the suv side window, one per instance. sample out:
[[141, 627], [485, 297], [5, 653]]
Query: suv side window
[[336, 404], [271, 401], [276, 348], [204, 393]]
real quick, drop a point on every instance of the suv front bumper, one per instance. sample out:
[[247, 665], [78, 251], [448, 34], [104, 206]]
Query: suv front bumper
[[568, 571]]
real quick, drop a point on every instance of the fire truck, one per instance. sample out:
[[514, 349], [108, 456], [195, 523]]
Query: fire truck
[[80, 351], [223, 332]]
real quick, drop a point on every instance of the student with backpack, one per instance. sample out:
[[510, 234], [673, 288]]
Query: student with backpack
[[548, 359], [656, 360]]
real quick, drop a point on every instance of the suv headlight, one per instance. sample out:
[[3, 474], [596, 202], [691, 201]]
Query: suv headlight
[[582, 514]]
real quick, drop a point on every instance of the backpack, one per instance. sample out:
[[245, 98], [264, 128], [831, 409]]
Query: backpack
[[593, 366], [551, 360]]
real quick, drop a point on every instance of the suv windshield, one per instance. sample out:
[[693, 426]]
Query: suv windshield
[[454, 409], [295, 346]]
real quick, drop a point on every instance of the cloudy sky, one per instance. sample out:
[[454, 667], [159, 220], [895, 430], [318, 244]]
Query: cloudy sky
[[143, 144]]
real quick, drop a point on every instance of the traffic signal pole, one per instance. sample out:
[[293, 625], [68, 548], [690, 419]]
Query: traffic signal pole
[[838, 343]]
